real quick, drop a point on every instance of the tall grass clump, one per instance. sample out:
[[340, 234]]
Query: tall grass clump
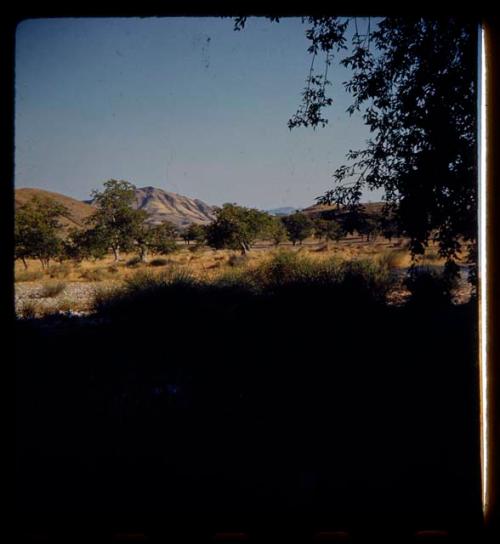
[[348, 281], [146, 293], [396, 258], [29, 309]]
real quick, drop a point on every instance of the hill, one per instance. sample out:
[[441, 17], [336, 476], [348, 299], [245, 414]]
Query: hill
[[159, 204], [287, 210], [324, 211], [178, 209], [78, 211]]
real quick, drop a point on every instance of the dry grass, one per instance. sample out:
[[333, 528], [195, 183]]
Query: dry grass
[[206, 263]]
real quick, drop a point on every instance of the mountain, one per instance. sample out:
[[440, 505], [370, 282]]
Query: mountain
[[178, 209], [77, 211], [287, 210]]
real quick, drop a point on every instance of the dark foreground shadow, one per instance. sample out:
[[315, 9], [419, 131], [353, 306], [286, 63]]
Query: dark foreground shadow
[[222, 408]]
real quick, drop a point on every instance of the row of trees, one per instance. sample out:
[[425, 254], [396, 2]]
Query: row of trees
[[117, 226]]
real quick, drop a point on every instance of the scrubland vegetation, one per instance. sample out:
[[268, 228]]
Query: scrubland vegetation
[[257, 361]]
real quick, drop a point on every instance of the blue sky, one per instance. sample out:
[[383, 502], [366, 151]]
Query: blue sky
[[184, 104]]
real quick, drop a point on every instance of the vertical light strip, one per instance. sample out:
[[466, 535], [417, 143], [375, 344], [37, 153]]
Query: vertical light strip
[[483, 276]]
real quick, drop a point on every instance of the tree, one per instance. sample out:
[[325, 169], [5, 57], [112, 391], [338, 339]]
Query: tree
[[368, 226], [37, 231], [236, 227], [82, 244], [194, 233], [388, 227], [277, 231], [116, 220], [414, 80], [328, 229], [159, 239], [299, 227]]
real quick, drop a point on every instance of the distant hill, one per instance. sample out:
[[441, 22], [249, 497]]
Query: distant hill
[[166, 206], [78, 211], [287, 210], [159, 204], [330, 211]]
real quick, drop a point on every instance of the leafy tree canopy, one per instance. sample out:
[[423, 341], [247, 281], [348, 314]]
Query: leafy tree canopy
[[116, 219], [299, 226], [236, 227], [329, 229], [414, 80], [37, 230], [194, 233]]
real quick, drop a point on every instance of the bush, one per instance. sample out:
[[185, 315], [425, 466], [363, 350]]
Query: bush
[[283, 267], [429, 287], [159, 262], [52, 289], [29, 309], [393, 259], [59, 271], [113, 269], [93, 274], [145, 293], [365, 279], [134, 262], [29, 275], [236, 260]]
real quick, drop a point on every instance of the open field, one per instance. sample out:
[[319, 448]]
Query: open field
[[71, 287]]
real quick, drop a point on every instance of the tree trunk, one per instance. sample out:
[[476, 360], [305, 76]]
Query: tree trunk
[[25, 263], [116, 253], [144, 254]]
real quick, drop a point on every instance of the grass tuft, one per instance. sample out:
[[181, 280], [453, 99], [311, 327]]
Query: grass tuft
[[52, 289]]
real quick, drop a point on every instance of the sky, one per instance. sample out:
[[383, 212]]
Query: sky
[[184, 104]]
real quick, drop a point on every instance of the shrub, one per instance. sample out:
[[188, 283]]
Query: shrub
[[344, 280], [392, 259], [365, 279], [113, 269], [29, 275], [134, 262], [159, 262], [283, 268], [52, 289], [195, 248], [237, 260], [59, 271], [93, 274], [429, 287], [145, 293], [29, 309]]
